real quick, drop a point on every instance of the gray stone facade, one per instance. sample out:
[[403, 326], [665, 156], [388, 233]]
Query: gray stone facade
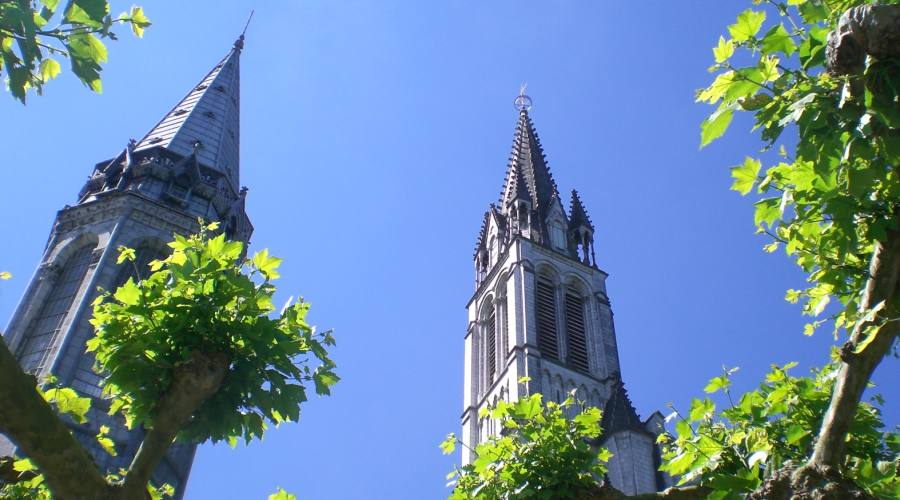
[[541, 310], [183, 170]]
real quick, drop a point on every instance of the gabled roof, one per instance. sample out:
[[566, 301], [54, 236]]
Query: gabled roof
[[618, 413], [206, 122], [577, 214], [527, 162]]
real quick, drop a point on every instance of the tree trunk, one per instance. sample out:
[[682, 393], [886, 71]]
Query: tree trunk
[[192, 384], [32, 424]]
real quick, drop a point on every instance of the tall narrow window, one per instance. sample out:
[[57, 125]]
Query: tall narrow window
[[56, 306], [491, 344], [576, 341], [504, 328], [546, 318]]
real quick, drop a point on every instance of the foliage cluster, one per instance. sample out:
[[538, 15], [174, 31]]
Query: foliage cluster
[[542, 452], [838, 194], [205, 297], [31, 36], [766, 428]]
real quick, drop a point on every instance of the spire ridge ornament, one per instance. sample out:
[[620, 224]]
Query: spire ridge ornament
[[523, 101], [239, 43]]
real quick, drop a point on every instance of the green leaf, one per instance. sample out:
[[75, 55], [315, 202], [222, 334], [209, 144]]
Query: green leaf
[[604, 455], [717, 383], [589, 419], [448, 445], [69, 402], [795, 433], [724, 50], [715, 125], [105, 442], [125, 253], [282, 495], [702, 408], [87, 12], [128, 294], [324, 380], [139, 21], [24, 465], [50, 4], [49, 69], [745, 175], [747, 26], [813, 11], [86, 53], [777, 39], [768, 210], [266, 263], [768, 68]]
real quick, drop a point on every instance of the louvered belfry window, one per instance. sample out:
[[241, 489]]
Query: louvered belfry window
[[577, 343], [546, 318], [491, 344], [504, 319]]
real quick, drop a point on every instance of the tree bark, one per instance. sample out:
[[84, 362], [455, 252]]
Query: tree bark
[[32, 424], [192, 384], [857, 367]]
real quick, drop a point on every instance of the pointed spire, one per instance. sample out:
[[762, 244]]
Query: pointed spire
[[521, 186], [527, 163], [618, 413], [206, 122], [577, 214]]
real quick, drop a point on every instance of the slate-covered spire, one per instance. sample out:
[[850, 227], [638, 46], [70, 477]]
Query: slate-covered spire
[[618, 413], [206, 122], [527, 161], [577, 214]]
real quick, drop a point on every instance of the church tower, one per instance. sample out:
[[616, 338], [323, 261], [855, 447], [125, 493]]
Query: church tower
[[185, 168], [541, 310]]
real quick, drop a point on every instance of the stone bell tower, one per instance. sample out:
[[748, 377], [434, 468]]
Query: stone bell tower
[[185, 168], [541, 310]]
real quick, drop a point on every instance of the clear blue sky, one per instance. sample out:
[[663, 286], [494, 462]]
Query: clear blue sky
[[374, 134]]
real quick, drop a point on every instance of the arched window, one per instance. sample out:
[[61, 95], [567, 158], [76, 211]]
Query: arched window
[[144, 254], [46, 324], [491, 337], [546, 317], [86, 380], [576, 343]]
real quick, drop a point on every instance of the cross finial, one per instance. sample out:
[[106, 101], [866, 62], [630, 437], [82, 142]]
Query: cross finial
[[523, 102]]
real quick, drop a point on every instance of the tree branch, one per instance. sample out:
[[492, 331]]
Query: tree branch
[[32, 424], [607, 492], [192, 384], [856, 368]]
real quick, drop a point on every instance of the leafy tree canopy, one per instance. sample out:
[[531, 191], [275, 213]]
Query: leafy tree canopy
[[195, 351], [35, 35], [542, 451]]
